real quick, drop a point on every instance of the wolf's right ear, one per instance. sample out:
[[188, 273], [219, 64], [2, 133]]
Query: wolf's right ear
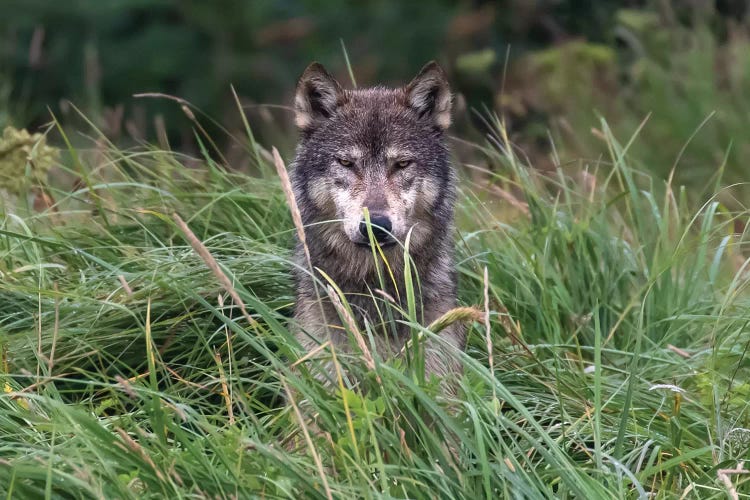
[[430, 95], [318, 94]]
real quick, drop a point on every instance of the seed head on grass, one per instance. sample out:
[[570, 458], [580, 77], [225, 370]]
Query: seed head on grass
[[456, 315]]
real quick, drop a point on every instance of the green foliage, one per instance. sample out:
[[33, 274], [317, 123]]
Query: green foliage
[[98, 54], [618, 338], [677, 78]]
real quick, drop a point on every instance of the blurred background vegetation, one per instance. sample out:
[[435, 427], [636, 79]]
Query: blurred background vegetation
[[550, 67]]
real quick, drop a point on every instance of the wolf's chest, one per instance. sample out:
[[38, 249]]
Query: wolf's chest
[[381, 315]]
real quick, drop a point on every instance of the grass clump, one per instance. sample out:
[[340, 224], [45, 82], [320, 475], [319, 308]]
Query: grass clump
[[613, 362]]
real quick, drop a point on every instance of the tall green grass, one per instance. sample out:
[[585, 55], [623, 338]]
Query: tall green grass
[[618, 334]]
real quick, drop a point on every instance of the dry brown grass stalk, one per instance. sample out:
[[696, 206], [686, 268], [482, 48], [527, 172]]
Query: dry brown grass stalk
[[204, 254], [286, 185], [723, 475], [352, 326], [125, 285]]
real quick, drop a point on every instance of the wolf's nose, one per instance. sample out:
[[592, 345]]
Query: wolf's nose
[[381, 226]]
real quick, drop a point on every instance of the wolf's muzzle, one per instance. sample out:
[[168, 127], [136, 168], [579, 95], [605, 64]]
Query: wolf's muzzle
[[381, 228]]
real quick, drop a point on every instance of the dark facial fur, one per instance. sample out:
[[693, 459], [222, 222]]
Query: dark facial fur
[[384, 150]]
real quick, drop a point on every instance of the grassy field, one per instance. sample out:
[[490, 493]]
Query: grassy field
[[608, 357]]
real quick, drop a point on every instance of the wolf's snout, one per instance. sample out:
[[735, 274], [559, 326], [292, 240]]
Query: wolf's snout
[[381, 227]]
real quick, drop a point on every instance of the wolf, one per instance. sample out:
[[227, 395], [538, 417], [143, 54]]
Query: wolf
[[380, 151]]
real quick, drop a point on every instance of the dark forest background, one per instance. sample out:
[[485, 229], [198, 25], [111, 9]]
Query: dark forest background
[[550, 67]]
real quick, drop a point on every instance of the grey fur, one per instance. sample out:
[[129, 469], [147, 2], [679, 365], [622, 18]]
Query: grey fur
[[351, 143]]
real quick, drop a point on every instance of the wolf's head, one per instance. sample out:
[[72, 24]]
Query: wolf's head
[[378, 149]]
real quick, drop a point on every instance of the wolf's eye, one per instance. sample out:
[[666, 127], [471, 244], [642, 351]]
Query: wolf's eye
[[344, 163], [403, 163]]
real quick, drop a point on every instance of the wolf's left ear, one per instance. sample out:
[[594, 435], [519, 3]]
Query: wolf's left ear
[[430, 95], [317, 96]]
